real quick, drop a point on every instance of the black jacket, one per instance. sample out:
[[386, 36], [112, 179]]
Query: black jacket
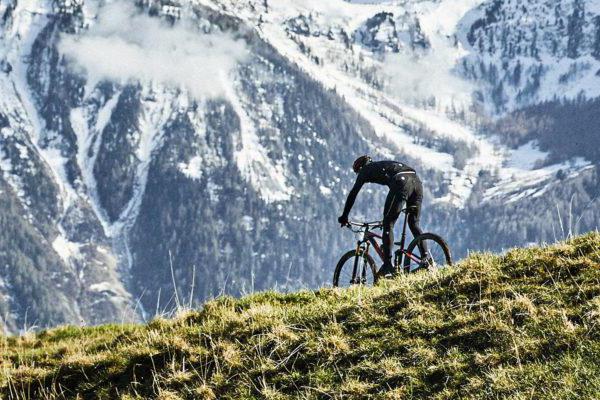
[[380, 172]]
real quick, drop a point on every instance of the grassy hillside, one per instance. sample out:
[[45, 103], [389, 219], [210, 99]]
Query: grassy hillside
[[523, 325]]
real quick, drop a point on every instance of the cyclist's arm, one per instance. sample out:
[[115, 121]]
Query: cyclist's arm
[[352, 196]]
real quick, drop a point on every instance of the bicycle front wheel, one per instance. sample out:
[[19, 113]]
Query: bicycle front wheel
[[347, 275], [437, 253]]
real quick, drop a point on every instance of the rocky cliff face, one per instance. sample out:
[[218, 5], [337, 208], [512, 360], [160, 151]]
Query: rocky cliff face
[[121, 199]]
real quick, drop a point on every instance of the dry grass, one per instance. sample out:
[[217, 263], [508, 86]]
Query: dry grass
[[519, 326]]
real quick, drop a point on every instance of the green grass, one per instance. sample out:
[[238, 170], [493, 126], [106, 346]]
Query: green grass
[[524, 325]]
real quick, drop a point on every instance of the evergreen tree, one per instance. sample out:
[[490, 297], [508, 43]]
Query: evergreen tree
[[575, 29], [596, 42]]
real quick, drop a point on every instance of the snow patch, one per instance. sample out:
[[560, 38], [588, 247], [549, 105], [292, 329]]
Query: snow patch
[[89, 138], [516, 184], [66, 249], [441, 19], [592, 6], [325, 191], [526, 156], [193, 168], [266, 176], [103, 287]]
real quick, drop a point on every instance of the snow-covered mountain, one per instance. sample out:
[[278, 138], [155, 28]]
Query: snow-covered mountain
[[535, 51], [175, 150]]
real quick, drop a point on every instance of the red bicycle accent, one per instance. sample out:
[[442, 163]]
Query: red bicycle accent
[[412, 257], [371, 237]]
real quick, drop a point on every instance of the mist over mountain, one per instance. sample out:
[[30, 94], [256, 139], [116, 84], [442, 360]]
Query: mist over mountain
[[155, 152]]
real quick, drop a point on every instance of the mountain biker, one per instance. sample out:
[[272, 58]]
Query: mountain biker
[[404, 185]]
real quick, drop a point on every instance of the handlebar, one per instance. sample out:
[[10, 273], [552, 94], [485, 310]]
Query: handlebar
[[370, 224], [373, 224]]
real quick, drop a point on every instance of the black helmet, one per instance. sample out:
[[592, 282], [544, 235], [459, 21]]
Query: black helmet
[[360, 162]]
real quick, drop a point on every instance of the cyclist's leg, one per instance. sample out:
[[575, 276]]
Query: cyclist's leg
[[393, 206], [415, 199]]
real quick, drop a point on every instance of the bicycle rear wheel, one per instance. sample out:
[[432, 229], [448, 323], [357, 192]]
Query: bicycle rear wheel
[[438, 253], [365, 270]]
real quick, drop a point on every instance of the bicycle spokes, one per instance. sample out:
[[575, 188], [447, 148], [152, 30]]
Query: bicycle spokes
[[434, 256], [357, 273]]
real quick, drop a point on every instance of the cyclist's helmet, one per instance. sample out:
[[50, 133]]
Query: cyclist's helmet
[[360, 162]]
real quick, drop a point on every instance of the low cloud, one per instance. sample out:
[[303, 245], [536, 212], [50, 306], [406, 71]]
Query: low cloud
[[420, 77], [125, 45]]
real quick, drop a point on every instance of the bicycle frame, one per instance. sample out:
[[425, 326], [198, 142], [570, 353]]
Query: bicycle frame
[[404, 260], [369, 238]]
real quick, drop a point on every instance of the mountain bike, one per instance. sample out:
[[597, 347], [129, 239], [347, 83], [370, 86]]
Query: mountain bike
[[357, 267]]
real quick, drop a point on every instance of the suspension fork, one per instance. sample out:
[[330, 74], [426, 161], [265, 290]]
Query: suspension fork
[[356, 257], [364, 268], [360, 252]]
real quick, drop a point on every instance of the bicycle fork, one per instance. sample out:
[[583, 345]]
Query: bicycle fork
[[360, 253]]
